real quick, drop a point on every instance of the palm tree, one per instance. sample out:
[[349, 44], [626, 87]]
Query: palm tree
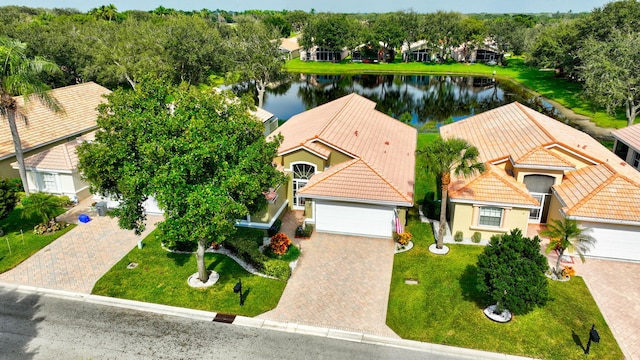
[[19, 76], [442, 157], [566, 234]]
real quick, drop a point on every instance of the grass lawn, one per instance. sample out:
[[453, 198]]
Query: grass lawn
[[424, 182], [567, 93], [161, 278], [24, 244], [445, 308]]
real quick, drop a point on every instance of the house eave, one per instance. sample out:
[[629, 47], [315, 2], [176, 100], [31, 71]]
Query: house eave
[[305, 149], [26, 150], [356, 200], [601, 220], [492, 203]]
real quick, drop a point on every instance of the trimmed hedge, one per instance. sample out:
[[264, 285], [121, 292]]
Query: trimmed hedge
[[245, 248]]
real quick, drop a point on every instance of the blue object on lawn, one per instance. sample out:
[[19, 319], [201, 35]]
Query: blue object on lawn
[[84, 218]]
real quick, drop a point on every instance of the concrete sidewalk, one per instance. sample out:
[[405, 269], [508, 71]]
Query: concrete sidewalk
[[79, 258]]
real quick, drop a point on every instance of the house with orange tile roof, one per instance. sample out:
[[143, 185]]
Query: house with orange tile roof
[[539, 169], [44, 128], [627, 144], [350, 169]]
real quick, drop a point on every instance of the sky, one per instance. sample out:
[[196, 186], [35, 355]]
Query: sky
[[337, 6]]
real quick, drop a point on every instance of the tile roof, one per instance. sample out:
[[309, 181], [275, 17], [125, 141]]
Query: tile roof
[[62, 157], [44, 126], [290, 44], [493, 186], [630, 135], [527, 137], [540, 156], [352, 126], [615, 198]]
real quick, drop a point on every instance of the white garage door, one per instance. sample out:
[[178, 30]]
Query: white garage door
[[615, 241], [354, 219]]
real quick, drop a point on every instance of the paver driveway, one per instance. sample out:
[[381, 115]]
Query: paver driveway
[[341, 282], [79, 258]]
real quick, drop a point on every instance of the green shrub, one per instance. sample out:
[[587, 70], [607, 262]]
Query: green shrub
[[292, 254], [277, 268], [305, 231], [277, 224], [428, 197], [458, 236], [42, 205], [476, 237], [8, 198], [431, 206], [65, 201]]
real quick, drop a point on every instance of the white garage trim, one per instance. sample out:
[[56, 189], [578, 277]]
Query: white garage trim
[[614, 241], [354, 218]]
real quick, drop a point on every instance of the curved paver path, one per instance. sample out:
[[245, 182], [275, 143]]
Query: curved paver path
[[341, 282], [79, 258]]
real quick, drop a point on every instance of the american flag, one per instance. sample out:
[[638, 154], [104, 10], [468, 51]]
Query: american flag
[[399, 226]]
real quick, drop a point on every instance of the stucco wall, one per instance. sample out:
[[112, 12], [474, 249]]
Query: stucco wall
[[465, 219], [556, 175], [554, 209]]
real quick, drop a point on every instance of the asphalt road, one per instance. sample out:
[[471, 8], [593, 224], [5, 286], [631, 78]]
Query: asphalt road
[[45, 327]]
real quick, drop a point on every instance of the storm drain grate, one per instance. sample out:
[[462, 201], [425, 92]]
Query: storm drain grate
[[132, 265], [224, 318]]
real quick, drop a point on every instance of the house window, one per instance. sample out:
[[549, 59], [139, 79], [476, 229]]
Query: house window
[[490, 216], [636, 160], [301, 175], [49, 183]]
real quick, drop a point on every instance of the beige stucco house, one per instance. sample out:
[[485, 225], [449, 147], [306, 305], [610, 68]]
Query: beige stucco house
[[350, 169], [539, 169], [45, 129]]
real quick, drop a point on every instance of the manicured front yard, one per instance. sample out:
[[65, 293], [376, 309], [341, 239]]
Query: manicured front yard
[[161, 278], [445, 308], [24, 244]]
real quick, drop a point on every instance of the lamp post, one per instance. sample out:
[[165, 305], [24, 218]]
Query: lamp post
[[238, 290], [593, 336]]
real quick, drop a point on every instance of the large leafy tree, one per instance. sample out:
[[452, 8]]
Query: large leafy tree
[[199, 153], [443, 157], [565, 235], [256, 55], [330, 31], [511, 272], [611, 72], [20, 76]]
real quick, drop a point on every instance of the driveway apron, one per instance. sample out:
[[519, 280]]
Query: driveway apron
[[341, 282], [79, 258]]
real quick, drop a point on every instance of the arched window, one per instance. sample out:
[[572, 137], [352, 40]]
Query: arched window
[[302, 172]]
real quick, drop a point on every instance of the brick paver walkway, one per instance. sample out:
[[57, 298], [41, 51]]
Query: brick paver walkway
[[341, 282], [78, 259]]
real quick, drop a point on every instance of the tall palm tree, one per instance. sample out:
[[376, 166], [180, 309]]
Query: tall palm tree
[[19, 76], [443, 157], [566, 234]]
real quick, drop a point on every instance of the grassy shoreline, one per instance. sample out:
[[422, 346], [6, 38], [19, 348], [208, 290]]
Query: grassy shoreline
[[543, 83]]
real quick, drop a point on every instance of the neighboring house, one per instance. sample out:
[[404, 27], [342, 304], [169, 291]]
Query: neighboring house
[[351, 169], [290, 48], [367, 53], [418, 51], [55, 170], [45, 128], [539, 169], [486, 53], [627, 144], [269, 120], [317, 53]]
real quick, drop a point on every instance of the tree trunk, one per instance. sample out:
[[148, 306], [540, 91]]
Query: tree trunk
[[261, 88], [557, 271], [446, 179], [632, 111], [11, 117], [203, 274]]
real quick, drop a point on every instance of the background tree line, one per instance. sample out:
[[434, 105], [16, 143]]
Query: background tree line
[[117, 48]]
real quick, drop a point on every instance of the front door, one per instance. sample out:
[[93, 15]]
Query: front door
[[301, 175]]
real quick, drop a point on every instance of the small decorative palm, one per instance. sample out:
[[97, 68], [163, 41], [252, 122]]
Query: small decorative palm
[[44, 206], [568, 235]]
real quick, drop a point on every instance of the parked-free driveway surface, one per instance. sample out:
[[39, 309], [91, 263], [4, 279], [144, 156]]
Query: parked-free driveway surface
[[79, 258], [341, 282]]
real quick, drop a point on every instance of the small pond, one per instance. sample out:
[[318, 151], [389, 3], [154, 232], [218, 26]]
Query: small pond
[[424, 101]]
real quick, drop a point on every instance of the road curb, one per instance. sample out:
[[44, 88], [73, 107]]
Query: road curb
[[200, 315]]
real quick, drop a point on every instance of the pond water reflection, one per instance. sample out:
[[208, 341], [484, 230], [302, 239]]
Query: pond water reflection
[[425, 101]]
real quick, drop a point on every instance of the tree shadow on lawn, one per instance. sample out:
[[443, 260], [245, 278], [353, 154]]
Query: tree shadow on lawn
[[178, 258], [468, 284]]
